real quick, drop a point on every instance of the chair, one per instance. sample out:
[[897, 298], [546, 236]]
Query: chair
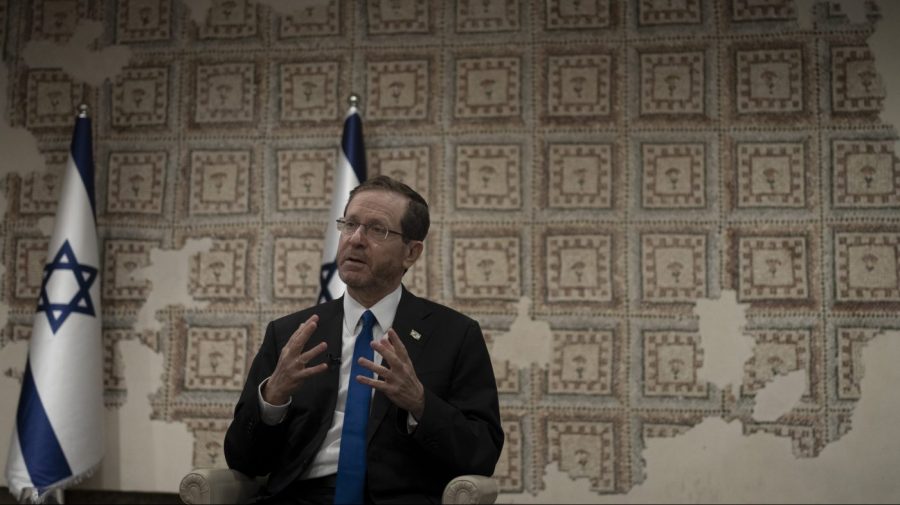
[[223, 485]]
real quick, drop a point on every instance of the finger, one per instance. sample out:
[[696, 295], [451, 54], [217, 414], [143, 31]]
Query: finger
[[314, 370], [384, 348], [303, 332], [311, 354], [373, 367], [399, 348], [368, 381]]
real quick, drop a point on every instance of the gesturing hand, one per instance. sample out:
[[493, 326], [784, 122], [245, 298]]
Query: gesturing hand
[[291, 370], [400, 384]]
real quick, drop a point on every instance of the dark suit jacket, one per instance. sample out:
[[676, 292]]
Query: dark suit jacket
[[459, 432]]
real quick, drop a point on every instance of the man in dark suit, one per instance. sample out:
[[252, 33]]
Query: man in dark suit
[[434, 411]]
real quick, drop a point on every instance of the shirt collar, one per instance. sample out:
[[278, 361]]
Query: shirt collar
[[384, 311]]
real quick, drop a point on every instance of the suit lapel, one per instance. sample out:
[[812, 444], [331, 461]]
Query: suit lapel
[[410, 314]]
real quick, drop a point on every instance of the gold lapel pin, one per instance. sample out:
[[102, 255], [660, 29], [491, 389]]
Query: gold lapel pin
[[414, 334]]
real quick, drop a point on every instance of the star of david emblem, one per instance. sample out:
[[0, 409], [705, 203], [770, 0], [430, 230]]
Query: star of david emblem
[[81, 302], [325, 275]]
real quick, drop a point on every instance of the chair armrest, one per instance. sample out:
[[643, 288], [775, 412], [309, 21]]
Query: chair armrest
[[218, 485], [470, 489]]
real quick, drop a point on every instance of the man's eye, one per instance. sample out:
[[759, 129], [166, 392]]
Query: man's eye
[[350, 225], [378, 229]]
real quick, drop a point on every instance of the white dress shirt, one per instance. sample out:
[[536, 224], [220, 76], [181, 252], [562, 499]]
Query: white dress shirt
[[326, 460]]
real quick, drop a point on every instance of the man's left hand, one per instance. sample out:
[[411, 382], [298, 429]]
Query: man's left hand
[[399, 382]]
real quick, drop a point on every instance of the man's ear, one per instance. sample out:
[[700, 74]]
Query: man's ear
[[415, 250]]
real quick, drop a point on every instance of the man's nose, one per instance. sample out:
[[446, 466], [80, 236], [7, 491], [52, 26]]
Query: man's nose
[[358, 235]]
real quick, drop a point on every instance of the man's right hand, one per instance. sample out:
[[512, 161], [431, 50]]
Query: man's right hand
[[291, 370]]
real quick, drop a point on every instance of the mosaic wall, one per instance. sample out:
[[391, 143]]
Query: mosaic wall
[[611, 161]]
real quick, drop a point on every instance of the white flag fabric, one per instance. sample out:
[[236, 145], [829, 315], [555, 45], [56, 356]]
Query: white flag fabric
[[58, 437], [349, 173]]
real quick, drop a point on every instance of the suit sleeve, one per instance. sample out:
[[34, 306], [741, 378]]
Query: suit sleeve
[[250, 443], [462, 429]]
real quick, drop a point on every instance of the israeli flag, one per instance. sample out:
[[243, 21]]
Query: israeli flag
[[350, 172], [58, 438]]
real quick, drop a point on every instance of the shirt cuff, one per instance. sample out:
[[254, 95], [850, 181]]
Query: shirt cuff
[[272, 414], [411, 423]]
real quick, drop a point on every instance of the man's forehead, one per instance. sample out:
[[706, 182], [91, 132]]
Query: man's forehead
[[378, 201]]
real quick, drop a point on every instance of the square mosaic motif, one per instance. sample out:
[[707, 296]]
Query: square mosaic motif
[[410, 165], [671, 361], [579, 268], [584, 449], [297, 263], [850, 343], [305, 178], [208, 434], [579, 85], [40, 191], [220, 182], [113, 366], [31, 255], [666, 12], [580, 176], [509, 469], [867, 266], [230, 19], [137, 182], [143, 20], [856, 85], [505, 373], [769, 81], [121, 258], [771, 174], [865, 174], [221, 272], [398, 16], [309, 91], [485, 267], [56, 20], [566, 14], [225, 93], [674, 176], [775, 353], [673, 267], [761, 10], [773, 268], [474, 16], [52, 97], [140, 97], [488, 87], [216, 358], [316, 18], [673, 83], [488, 176], [582, 363], [398, 89]]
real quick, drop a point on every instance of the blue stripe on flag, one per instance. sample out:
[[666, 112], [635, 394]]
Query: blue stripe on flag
[[82, 153], [352, 144], [44, 457]]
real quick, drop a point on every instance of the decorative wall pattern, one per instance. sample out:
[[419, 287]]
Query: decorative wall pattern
[[612, 161]]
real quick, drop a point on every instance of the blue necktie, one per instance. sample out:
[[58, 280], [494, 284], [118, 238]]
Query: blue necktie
[[351, 474]]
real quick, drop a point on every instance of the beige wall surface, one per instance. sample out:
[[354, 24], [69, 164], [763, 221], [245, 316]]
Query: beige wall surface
[[677, 221]]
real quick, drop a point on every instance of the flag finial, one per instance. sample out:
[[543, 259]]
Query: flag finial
[[354, 100], [83, 110]]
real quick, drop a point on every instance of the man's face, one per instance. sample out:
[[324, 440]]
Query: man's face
[[371, 269]]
